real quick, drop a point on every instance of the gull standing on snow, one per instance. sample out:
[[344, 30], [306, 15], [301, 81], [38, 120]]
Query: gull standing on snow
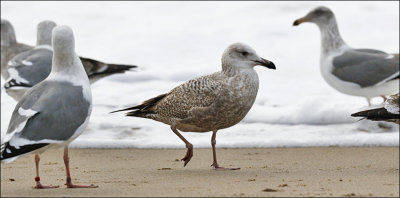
[[53, 112], [390, 112], [9, 46], [209, 103], [360, 72], [32, 66]]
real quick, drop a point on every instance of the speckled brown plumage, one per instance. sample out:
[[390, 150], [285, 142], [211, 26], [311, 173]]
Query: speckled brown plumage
[[210, 102], [206, 103]]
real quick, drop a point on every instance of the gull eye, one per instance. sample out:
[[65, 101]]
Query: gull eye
[[244, 53]]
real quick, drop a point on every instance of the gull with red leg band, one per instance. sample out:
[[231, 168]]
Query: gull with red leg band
[[55, 111]]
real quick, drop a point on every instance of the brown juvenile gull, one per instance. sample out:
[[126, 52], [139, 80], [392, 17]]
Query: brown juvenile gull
[[9, 46], [32, 66], [389, 113], [209, 103], [359, 72], [53, 112]]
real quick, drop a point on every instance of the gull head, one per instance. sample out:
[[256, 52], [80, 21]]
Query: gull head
[[63, 40], [320, 16], [242, 56], [7, 33], [44, 31]]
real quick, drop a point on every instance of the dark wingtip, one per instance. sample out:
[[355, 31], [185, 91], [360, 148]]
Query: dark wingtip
[[118, 68], [14, 151], [360, 114], [130, 108], [131, 113], [115, 111], [296, 23], [126, 66], [121, 110], [354, 115]]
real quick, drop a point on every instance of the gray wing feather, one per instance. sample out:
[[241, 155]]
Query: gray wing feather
[[39, 67], [41, 62], [365, 67], [7, 53], [61, 109], [373, 51]]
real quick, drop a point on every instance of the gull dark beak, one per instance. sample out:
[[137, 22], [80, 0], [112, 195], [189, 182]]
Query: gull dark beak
[[266, 63], [301, 20]]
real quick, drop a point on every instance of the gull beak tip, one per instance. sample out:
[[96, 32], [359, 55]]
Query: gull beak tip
[[266, 63], [300, 20], [272, 66]]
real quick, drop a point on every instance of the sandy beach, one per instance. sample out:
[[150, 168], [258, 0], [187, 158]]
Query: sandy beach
[[325, 171]]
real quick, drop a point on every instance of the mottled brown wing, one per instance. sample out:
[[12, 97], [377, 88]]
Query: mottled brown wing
[[199, 92]]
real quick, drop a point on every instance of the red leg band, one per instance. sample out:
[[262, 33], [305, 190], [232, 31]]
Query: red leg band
[[37, 179]]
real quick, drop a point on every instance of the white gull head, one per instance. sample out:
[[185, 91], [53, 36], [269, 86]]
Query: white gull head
[[66, 65], [320, 15], [64, 46], [65, 60], [323, 17], [44, 31], [7, 33], [241, 56]]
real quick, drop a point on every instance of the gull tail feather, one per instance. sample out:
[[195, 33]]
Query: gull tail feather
[[10, 153], [144, 108], [376, 114], [96, 68]]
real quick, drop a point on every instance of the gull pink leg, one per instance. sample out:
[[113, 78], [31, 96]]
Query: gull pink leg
[[215, 164], [69, 182], [37, 178], [189, 146]]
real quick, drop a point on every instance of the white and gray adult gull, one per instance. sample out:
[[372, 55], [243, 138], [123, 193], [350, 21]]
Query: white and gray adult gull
[[30, 67], [209, 103], [9, 46], [359, 72], [53, 112]]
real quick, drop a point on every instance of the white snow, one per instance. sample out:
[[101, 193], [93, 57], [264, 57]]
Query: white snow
[[173, 42]]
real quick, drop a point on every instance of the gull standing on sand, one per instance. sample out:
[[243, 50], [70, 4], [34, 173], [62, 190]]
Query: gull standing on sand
[[389, 113], [32, 66], [360, 72], [9, 46], [53, 112], [209, 103]]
